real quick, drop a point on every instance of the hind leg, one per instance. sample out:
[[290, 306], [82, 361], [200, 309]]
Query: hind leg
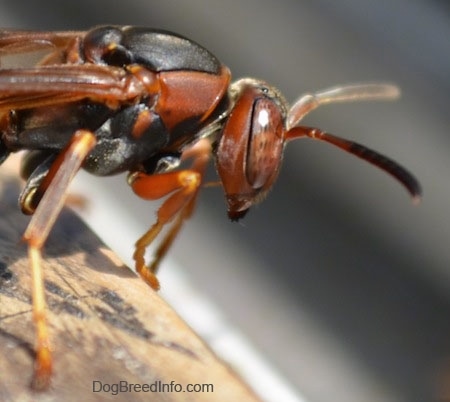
[[49, 198]]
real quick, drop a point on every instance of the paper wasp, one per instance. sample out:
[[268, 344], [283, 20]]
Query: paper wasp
[[128, 99]]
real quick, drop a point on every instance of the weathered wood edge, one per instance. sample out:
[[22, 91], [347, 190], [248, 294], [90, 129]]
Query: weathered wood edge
[[107, 326]]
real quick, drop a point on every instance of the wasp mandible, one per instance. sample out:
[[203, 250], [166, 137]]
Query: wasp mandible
[[130, 99]]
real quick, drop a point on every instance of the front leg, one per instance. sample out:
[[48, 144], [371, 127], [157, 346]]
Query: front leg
[[182, 188]]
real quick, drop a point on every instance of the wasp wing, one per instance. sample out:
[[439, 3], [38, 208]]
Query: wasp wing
[[61, 83], [46, 79], [13, 42]]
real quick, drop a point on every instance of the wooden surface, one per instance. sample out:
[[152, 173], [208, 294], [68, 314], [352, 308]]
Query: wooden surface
[[106, 324]]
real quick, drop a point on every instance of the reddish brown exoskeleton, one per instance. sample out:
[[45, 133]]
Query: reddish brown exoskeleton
[[128, 99]]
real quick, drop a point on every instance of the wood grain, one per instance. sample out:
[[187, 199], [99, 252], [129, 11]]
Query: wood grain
[[107, 326]]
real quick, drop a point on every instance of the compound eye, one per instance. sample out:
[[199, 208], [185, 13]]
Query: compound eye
[[249, 152], [265, 146], [103, 46]]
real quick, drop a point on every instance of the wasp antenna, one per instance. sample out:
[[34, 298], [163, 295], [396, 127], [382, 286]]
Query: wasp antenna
[[346, 93], [361, 151], [359, 92]]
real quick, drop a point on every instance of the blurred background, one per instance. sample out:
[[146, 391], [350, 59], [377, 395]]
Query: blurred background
[[337, 279]]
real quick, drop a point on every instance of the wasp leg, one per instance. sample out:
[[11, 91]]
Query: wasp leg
[[183, 186], [53, 191], [34, 169]]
